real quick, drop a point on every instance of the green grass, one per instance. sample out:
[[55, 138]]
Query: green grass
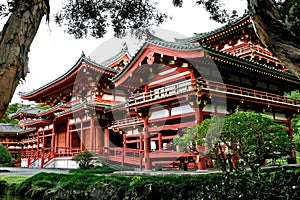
[[14, 179], [298, 157]]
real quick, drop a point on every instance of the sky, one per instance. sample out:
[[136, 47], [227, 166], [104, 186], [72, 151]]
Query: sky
[[54, 52]]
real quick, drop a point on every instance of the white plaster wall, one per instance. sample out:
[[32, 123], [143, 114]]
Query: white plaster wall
[[24, 162], [62, 163]]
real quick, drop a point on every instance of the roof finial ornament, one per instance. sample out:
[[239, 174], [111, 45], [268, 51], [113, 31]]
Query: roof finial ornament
[[124, 47], [82, 54]]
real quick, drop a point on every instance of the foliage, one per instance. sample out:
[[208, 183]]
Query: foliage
[[187, 140], [5, 156], [205, 134], [296, 119], [290, 11], [84, 159], [278, 183], [247, 136], [12, 108], [94, 17], [13, 179], [254, 138], [42, 107], [3, 186], [94, 170]]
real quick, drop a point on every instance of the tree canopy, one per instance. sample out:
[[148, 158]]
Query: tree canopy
[[250, 136]]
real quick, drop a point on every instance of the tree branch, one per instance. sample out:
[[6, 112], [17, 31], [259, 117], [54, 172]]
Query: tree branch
[[15, 41], [274, 34]]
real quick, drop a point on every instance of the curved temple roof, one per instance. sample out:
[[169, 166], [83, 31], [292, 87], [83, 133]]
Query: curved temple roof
[[11, 128], [83, 58], [202, 36], [162, 46]]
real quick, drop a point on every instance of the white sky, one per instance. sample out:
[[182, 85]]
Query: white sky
[[53, 52]]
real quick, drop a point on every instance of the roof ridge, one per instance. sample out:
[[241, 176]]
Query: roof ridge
[[199, 36]]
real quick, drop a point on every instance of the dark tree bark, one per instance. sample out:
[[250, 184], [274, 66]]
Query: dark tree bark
[[274, 34], [15, 40]]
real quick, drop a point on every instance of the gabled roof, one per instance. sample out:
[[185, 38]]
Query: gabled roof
[[80, 106], [184, 50], [11, 128], [73, 70], [55, 108], [31, 111], [174, 47], [124, 52], [259, 68]]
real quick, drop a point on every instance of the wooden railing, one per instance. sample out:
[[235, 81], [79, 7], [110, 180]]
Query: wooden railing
[[248, 48], [29, 140], [47, 155], [126, 122], [8, 141], [66, 151], [213, 86], [161, 93]]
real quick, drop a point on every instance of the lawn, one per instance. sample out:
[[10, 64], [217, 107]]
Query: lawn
[[14, 179]]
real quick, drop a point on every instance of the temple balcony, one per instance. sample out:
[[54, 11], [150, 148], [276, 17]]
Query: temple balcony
[[126, 122], [9, 141], [251, 51], [201, 86], [161, 93], [186, 120], [246, 93], [246, 48]]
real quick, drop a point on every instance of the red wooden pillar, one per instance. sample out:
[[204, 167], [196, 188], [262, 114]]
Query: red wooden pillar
[[43, 150], [124, 142], [160, 146], [146, 91], [201, 163], [38, 142], [141, 141], [124, 149], [147, 145], [106, 138], [67, 142], [201, 159], [81, 134], [92, 128], [198, 115], [53, 140]]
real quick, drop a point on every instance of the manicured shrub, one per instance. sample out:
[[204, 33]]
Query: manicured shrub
[[3, 186], [5, 156], [84, 159], [274, 183]]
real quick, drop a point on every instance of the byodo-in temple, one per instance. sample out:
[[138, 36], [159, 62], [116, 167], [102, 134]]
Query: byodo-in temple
[[130, 107]]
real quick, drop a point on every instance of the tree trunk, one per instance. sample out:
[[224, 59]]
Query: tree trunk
[[274, 34], [15, 40]]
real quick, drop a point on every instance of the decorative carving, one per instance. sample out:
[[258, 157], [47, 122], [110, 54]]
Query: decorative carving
[[150, 58]]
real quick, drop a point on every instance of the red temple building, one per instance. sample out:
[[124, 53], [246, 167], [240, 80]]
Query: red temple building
[[130, 108]]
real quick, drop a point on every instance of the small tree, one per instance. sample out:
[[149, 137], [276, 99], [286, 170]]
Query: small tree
[[5, 156], [254, 138], [84, 159]]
